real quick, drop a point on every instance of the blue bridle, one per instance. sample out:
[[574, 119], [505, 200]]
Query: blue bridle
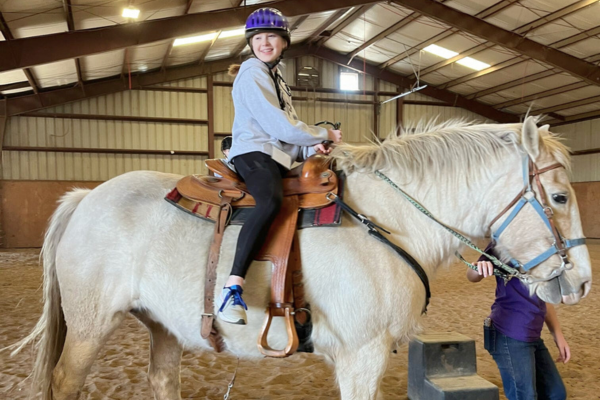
[[528, 195]]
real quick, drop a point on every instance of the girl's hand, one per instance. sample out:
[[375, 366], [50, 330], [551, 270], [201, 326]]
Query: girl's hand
[[564, 351], [334, 135], [485, 268], [321, 149]]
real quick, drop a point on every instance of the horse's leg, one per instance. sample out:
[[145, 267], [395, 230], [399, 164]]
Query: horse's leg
[[359, 370], [79, 353], [165, 361]]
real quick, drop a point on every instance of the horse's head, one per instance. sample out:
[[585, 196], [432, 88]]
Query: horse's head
[[541, 238]]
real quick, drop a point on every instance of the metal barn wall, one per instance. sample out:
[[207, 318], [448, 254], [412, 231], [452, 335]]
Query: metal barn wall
[[42, 132], [580, 136], [583, 135], [39, 132]]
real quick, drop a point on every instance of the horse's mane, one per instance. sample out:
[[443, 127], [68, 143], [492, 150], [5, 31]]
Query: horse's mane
[[450, 147]]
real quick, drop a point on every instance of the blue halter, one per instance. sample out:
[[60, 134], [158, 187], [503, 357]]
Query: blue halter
[[545, 212]]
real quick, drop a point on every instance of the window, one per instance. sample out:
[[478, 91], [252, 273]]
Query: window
[[349, 81], [308, 77]]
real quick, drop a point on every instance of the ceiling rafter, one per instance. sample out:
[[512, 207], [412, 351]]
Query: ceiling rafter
[[566, 106], [488, 12], [27, 103], [405, 83], [477, 74], [510, 40], [540, 95], [163, 65], [71, 25], [27, 52], [8, 36], [323, 27], [575, 118], [385, 33], [208, 48], [352, 16], [548, 93], [526, 79], [13, 86], [522, 30]]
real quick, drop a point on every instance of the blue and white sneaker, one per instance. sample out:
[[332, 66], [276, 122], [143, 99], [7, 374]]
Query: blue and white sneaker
[[233, 309]]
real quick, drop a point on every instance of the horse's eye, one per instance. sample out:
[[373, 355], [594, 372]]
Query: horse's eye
[[559, 198]]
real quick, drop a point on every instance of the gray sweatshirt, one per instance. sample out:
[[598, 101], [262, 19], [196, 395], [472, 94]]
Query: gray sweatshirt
[[260, 124]]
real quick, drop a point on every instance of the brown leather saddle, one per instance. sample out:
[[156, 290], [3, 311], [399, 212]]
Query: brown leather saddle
[[305, 187]]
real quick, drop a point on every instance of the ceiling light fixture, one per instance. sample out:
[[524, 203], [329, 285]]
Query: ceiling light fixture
[[131, 12], [195, 39], [232, 33], [473, 63], [440, 51], [447, 54]]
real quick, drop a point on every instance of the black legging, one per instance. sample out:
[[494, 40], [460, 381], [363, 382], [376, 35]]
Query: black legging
[[263, 177]]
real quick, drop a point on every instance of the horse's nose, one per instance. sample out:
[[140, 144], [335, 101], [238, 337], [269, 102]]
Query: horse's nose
[[587, 286]]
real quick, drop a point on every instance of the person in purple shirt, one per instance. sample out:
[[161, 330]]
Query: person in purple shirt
[[512, 335]]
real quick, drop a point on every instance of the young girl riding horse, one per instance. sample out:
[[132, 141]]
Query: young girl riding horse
[[267, 139]]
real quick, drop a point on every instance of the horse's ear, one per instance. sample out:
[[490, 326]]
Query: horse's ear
[[545, 128], [530, 137]]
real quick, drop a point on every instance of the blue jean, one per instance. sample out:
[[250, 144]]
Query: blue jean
[[527, 368]]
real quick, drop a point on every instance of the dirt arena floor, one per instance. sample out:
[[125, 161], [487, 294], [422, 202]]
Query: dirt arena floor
[[120, 371]]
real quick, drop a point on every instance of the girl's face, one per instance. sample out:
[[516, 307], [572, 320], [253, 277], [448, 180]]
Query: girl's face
[[268, 46]]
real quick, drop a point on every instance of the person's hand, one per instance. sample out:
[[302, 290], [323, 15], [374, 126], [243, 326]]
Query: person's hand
[[322, 149], [564, 351], [334, 135], [485, 268]]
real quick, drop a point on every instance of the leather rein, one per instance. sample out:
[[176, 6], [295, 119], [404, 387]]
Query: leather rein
[[513, 268]]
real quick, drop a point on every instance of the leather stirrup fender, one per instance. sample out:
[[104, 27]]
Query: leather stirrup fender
[[211, 269]]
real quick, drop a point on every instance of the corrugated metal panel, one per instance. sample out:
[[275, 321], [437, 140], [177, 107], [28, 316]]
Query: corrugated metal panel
[[143, 103], [387, 115], [581, 136], [198, 82], [356, 119], [223, 109], [415, 113], [75, 133], [92, 167], [102, 65]]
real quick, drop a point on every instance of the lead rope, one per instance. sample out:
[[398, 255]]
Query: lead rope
[[232, 382], [509, 272]]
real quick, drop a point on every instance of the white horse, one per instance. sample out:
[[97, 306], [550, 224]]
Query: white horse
[[121, 248]]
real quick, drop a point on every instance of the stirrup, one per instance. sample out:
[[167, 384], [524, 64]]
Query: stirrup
[[288, 314]]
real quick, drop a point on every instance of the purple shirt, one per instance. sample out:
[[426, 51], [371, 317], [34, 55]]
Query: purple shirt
[[515, 313]]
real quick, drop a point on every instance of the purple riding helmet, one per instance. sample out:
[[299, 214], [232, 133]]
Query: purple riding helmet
[[267, 20]]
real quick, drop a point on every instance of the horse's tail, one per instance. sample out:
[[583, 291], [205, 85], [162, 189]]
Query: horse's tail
[[51, 325]]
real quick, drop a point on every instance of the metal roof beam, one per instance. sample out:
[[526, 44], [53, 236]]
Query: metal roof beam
[[8, 36], [163, 65], [71, 25], [488, 12], [510, 40], [571, 119], [405, 83], [558, 14], [398, 25], [22, 104], [316, 35], [541, 95], [354, 15], [477, 74], [566, 106], [26, 52], [12, 86]]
